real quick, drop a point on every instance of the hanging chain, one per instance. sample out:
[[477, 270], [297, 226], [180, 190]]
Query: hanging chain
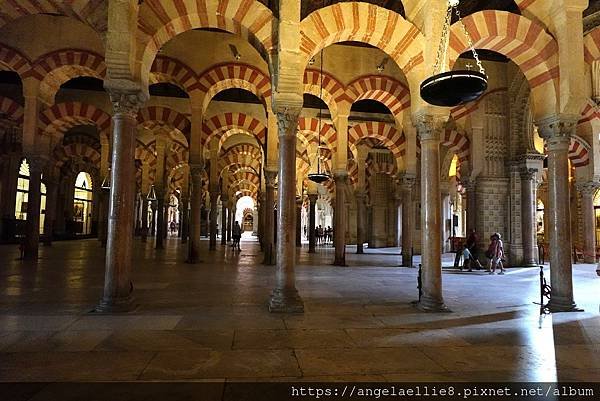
[[470, 43], [440, 60]]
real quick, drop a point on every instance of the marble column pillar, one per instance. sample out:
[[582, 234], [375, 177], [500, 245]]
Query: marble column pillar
[[212, 244], [429, 129], [360, 219], [144, 230], [34, 198], [160, 218], [184, 214], [102, 215], [223, 221], [528, 208], [312, 198], [298, 221], [118, 286], [51, 198], [556, 131], [195, 214], [407, 183], [339, 229], [588, 191], [230, 224], [269, 232], [285, 297], [9, 189]]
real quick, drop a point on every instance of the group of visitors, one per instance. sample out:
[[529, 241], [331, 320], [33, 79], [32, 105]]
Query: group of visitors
[[494, 254], [324, 236]]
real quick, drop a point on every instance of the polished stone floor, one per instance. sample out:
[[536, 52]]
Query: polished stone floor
[[210, 321]]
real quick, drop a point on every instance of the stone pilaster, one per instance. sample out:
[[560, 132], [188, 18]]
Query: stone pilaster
[[118, 288], [34, 197], [269, 231], [285, 297], [556, 131], [429, 129], [588, 191], [339, 228], [528, 209], [195, 213], [407, 184]]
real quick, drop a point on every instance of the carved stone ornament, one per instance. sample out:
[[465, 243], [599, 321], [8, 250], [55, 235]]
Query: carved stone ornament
[[196, 169], [557, 128], [588, 188], [429, 127], [270, 177], [126, 101], [287, 121], [528, 174]]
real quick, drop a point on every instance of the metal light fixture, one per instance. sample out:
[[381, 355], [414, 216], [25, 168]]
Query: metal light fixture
[[106, 181], [452, 88], [320, 176], [151, 194]]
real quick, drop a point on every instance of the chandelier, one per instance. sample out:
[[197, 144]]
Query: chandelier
[[321, 175], [452, 88]]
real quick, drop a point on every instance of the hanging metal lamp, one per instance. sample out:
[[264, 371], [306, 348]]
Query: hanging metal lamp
[[151, 194], [320, 176], [452, 88]]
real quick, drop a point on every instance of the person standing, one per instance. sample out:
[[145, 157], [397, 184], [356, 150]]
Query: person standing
[[495, 253], [236, 234]]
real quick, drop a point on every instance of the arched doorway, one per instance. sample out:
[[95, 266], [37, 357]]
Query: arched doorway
[[82, 204], [22, 199], [597, 216]]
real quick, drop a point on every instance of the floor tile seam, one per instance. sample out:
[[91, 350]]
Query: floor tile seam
[[298, 362], [141, 373], [422, 350]]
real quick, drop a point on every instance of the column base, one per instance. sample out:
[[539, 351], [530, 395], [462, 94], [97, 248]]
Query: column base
[[589, 260], [286, 301], [560, 304], [427, 304], [340, 262], [121, 305]]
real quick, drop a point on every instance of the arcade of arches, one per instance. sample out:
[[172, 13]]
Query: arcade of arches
[[157, 124]]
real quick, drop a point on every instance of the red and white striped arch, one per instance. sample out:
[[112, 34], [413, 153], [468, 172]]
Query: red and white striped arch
[[11, 110], [177, 160], [386, 133], [362, 22], [308, 125], [145, 154], [91, 12], [234, 75], [61, 117], [13, 60], [160, 21], [248, 176], [169, 70], [333, 92], [241, 154], [457, 143], [386, 90], [73, 150], [55, 68], [579, 152], [153, 117], [591, 45], [525, 42], [220, 124]]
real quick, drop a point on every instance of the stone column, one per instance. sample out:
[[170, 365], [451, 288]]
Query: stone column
[[51, 198], [184, 215], [312, 198], [269, 234], [285, 297], [223, 220], [117, 280], [9, 189], [360, 219], [102, 215], [588, 191], [556, 131], [144, 230], [528, 208], [339, 215], [34, 198], [195, 213], [160, 218], [212, 244], [230, 223], [298, 221], [407, 183], [429, 130]]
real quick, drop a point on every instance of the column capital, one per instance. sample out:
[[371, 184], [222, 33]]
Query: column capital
[[287, 121], [528, 174], [196, 169], [37, 162], [429, 126], [127, 97], [299, 200], [557, 128], [587, 188], [270, 177], [406, 181], [313, 197], [340, 176]]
